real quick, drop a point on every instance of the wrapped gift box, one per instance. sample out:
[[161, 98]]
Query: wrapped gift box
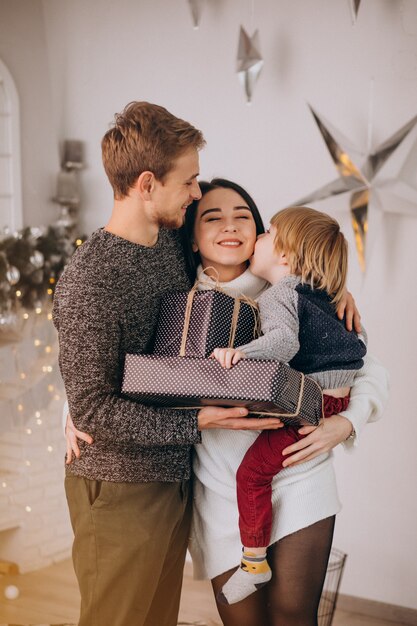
[[263, 386], [194, 323]]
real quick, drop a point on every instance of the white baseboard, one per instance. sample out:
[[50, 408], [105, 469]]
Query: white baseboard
[[397, 614]]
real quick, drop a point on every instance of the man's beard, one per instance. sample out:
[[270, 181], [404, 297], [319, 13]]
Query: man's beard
[[172, 222]]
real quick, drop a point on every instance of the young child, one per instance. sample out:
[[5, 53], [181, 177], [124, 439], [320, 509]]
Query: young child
[[304, 257]]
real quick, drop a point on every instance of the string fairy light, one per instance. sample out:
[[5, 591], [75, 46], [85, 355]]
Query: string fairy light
[[11, 592], [33, 372]]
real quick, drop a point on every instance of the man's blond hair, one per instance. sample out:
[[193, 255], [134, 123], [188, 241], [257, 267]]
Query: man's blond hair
[[315, 248], [145, 137]]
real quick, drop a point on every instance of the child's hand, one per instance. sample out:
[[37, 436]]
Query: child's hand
[[227, 356]]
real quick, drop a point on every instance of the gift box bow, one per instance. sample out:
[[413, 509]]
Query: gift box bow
[[237, 302], [194, 323]]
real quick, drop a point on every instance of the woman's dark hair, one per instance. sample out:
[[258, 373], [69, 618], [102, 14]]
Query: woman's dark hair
[[193, 258]]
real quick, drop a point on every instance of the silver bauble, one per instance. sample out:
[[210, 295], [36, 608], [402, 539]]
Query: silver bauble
[[37, 259], [13, 275], [37, 231]]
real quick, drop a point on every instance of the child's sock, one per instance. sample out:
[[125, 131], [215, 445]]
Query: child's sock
[[253, 573]]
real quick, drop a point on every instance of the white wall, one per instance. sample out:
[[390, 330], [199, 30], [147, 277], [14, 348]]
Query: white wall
[[103, 54], [23, 50]]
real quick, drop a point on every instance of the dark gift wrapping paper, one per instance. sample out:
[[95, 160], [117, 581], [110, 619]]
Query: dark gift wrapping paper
[[263, 386], [194, 323]]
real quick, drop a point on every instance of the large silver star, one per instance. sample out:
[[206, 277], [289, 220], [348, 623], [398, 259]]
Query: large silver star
[[249, 61], [396, 194]]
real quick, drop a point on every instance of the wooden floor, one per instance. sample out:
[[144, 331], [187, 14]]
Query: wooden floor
[[50, 596]]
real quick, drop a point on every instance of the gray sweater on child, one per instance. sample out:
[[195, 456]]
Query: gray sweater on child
[[301, 328], [106, 305]]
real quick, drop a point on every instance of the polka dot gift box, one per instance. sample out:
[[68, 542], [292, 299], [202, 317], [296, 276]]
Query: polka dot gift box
[[263, 386], [194, 323]]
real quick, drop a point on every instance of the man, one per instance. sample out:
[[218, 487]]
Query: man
[[129, 493]]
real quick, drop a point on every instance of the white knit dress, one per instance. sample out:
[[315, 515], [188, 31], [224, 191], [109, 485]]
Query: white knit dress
[[301, 495]]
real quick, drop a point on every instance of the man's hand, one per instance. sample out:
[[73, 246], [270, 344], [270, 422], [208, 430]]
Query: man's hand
[[72, 435], [319, 439], [233, 419], [347, 307], [227, 356]]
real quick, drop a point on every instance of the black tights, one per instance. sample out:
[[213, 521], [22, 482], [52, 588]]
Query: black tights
[[291, 598]]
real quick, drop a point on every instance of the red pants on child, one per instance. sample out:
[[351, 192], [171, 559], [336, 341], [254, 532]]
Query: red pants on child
[[260, 464]]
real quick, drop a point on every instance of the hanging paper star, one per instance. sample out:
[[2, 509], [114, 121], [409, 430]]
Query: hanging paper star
[[249, 61], [354, 5], [196, 8], [362, 181]]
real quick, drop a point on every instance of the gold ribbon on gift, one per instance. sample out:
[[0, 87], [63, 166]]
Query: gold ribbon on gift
[[236, 309]]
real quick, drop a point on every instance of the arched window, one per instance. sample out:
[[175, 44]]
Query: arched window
[[10, 176]]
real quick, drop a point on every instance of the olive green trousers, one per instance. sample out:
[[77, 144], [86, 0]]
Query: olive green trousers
[[129, 550]]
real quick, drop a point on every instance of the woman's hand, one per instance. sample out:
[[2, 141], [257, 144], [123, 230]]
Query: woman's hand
[[72, 435], [347, 308], [319, 439]]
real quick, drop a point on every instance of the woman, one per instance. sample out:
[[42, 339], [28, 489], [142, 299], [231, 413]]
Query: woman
[[221, 229], [220, 233]]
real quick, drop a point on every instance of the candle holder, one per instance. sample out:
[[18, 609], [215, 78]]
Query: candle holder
[[73, 155], [68, 195], [68, 189]]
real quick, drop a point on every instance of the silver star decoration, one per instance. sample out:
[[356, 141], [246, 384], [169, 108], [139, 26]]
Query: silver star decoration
[[362, 183], [249, 61], [354, 7], [196, 8]]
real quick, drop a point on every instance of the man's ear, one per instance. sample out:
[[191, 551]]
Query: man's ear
[[145, 184]]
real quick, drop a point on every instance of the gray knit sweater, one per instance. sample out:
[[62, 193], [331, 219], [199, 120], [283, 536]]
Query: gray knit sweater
[[301, 328], [106, 305]]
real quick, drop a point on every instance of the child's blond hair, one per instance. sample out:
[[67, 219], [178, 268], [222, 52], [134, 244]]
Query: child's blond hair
[[315, 248]]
